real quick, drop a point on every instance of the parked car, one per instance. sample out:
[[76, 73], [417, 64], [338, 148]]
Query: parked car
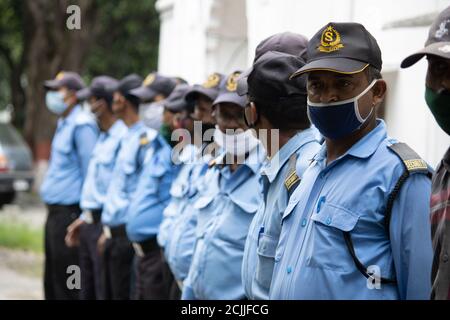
[[16, 164]]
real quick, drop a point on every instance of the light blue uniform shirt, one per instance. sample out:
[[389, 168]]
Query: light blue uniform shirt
[[264, 231], [125, 176], [72, 146], [152, 193], [224, 214], [179, 246], [101, 166], [350, 194], [182, 189]]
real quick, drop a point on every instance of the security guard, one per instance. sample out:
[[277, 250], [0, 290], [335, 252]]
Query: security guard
[[153, 90], [357, 226], [74, 140], [437, 97], [117, 249], [177, 232], [277, 110], [227, 204], [86, 230], [183, 154], [146, 209]]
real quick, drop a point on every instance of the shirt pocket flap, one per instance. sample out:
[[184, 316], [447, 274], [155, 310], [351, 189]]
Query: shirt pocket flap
[[64, 143], [157, 170], [248, 203], [106, 156], [337, 217], [203, 202], [178, 190], [267, 246], [129, 167]]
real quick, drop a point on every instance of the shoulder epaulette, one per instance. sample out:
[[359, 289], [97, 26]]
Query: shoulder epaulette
[[412, 162], [292, 179]]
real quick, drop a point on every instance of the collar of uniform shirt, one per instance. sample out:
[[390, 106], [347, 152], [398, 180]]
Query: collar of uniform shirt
[[135, 127], [364, 148], [282, 156], [71, 116], [116, 129]]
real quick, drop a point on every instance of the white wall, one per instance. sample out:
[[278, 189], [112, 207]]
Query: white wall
[[201, 36]]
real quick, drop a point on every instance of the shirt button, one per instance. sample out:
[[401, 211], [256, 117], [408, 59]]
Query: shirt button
[[445, 258], [289, 270], [328, 221], [303, 222]]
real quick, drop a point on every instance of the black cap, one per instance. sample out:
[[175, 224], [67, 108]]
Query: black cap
[[343, 48], [100, 87], [210, 88], [69, 79], [287, 42], [128, 83], [228, 93], [176, 101], [269, 79], [438, 42], [153, 85]]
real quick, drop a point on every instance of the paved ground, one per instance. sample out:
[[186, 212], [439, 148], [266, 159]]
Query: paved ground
[[20, 271], [20, 275]]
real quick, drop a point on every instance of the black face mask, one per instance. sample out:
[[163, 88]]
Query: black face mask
[[439, 104]]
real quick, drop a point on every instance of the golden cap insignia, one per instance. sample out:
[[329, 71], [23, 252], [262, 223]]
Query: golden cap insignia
[[232, 82], [212, 81], [149, 79], [59, 76], [330, 40]]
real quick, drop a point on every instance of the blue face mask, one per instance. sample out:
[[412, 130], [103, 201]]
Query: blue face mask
[[337, 120], [55, 102]]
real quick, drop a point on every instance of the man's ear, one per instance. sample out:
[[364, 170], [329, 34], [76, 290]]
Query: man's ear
[[379, 92], [71, 97], [252, 114]]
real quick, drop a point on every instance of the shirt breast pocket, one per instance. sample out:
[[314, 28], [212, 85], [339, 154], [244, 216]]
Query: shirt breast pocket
[[105, 165], [266, 259], [235, 221], [204, 208], [326, 246], [130, 169]]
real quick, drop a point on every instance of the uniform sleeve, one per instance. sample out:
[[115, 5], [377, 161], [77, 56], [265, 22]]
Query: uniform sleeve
[[85, 139], [411, 238]]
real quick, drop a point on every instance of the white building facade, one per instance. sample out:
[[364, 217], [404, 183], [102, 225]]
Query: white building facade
[[201, 36]]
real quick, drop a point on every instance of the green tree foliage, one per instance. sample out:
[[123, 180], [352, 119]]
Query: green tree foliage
[[127, 39]]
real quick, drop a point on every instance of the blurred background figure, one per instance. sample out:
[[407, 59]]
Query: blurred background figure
[[72, 146]]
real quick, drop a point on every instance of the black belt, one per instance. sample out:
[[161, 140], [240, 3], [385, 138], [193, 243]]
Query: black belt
[[115, 232], [56, 207], [144, 247]]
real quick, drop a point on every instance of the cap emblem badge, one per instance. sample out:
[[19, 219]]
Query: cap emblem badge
[[330, 40], [212, 81], [149, 80], [59, 76], [232, 82], [443, 30]]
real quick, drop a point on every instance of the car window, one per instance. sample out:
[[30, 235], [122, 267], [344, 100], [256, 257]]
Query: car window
[[9, 135]]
